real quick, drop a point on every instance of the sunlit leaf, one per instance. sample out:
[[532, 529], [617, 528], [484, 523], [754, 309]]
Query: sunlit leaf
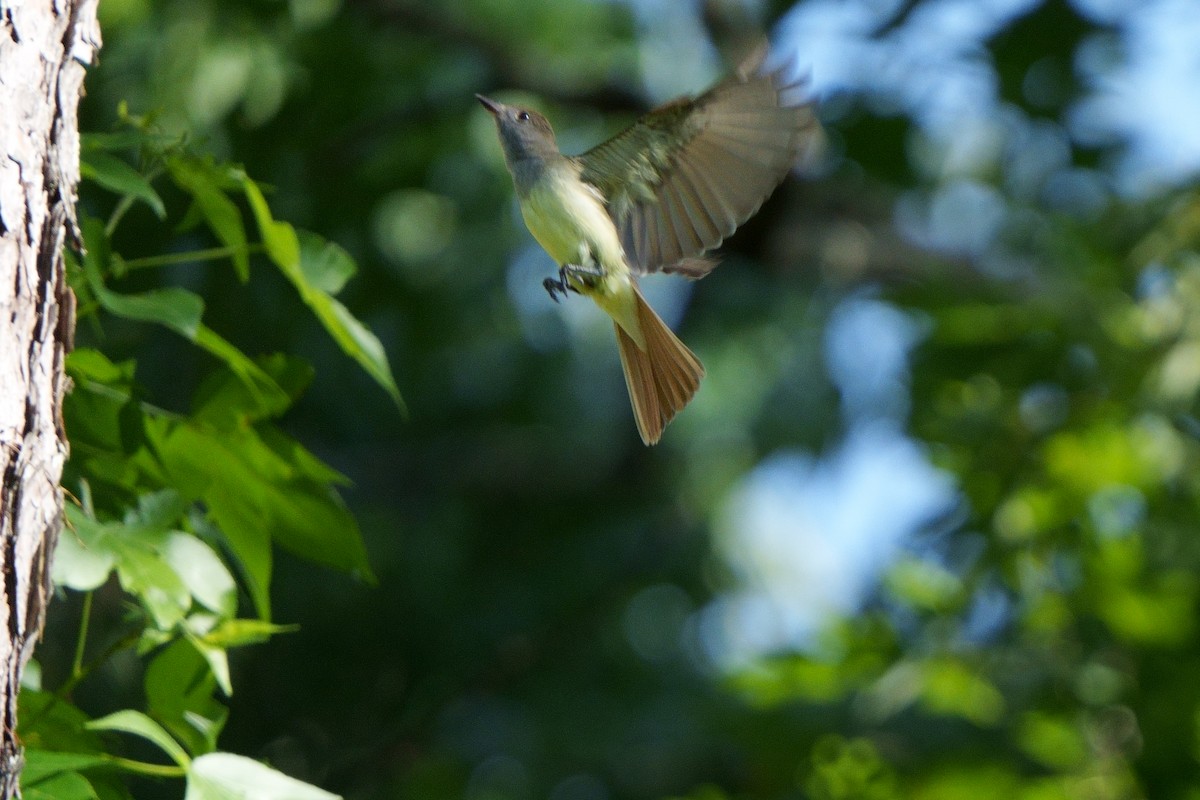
[[853, 768], [783, 680], [218, 663], [225, 776], [138, 724], [76, 565], [202, 572], [177, 309], [241, 632], [147, 576], [1100, 456], [978, 781], [255, 493], [89, 364], [137, 552], [924, 584]]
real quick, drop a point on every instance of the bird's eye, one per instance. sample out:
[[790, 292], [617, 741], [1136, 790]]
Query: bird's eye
[[523, 116]]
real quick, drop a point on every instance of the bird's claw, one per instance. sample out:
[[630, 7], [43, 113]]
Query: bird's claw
[[568, 275], [554, 287], [562, 284]]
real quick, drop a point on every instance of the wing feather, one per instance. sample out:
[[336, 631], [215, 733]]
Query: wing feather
[[696, 204], [687, 237], [683, 177]]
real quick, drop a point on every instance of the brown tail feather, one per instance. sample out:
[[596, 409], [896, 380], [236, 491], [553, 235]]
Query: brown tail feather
[[663, 378]]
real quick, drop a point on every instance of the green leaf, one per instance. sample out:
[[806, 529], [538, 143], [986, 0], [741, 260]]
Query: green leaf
[[240, 632], [356, 341], [202, 572], [305, 463], [257, 490], [92, 365], [101, 409], [65, 786], [257, 381], [145, 575], [249, 543], [48, 722], [179, 693], [138, 724], [76, 565], [158, 511], [270, 482], [115, 175], [218, 663], [284, 249], [283, 246], [31, 678], [215, 474], [326, 266], [241, 526], [225, 400], [924, 584], [177, 309], [225, 776], [137, 552], [42, 764], [206, 184]]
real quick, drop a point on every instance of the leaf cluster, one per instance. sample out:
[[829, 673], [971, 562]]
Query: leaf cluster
[[174, 515]]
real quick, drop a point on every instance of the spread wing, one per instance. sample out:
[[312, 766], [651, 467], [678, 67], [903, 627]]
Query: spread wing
[[684, 176]]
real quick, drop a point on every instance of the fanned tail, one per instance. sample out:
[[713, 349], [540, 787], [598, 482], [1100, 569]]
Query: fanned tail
[[663, 378]]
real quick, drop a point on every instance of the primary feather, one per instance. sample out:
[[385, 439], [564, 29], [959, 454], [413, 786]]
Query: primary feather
[[686, 175]]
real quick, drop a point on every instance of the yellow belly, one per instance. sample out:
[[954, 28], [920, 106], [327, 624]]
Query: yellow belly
[[570, 223]]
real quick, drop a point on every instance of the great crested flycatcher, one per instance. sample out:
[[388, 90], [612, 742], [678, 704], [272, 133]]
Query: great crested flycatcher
[[656, 196]]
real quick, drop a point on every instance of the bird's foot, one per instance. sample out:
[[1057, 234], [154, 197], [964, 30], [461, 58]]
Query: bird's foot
[[584, 273], [568, 275], [555, 286]]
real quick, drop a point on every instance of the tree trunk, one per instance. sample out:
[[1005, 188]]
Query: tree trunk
[[44, 47]]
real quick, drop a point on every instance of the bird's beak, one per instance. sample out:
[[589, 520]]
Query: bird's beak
[[489, 104]]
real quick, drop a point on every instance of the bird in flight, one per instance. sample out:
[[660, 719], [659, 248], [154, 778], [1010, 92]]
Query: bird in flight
[[656, 197]]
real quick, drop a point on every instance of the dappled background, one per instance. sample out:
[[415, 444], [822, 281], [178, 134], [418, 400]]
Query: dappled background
[[929, 530]]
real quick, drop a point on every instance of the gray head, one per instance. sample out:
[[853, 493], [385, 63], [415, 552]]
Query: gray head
[[523, 133]]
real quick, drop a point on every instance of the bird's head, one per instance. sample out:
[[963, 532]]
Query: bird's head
[[523, 133]]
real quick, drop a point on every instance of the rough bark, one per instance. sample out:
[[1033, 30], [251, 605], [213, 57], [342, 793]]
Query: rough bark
[[44, 48]]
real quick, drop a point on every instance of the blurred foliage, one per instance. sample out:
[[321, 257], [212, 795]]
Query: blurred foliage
[[549, 597]]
